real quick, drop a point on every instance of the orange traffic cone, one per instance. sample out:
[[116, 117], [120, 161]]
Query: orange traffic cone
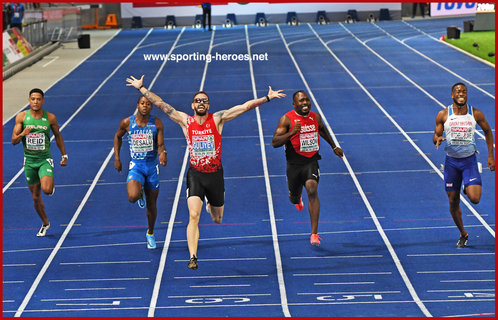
[[442, 38], [111, 21]]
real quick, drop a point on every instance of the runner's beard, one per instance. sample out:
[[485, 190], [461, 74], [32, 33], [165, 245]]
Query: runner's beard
[[459, 104]]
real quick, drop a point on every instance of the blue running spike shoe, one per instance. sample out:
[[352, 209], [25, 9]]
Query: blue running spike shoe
[[151, 241]]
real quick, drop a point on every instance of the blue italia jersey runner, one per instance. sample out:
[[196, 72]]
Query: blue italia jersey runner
[[459, 131], [143, 140]]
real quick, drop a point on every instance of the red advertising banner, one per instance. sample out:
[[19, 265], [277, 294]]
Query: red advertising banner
[[172, 4]]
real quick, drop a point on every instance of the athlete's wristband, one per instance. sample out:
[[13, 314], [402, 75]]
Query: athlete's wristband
[[335, 148], [140, 87], [267, 99], [64, 156]]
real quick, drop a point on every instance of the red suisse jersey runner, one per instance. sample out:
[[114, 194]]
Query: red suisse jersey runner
[[303, 146], [204, 145]]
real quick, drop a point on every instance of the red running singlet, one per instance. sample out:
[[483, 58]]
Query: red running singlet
[[204, 143], [307, 142]]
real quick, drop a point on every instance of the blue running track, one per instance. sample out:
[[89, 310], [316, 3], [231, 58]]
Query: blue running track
[[388, 240]]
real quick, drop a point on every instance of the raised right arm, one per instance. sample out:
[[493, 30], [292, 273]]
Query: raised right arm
[[175, 115]]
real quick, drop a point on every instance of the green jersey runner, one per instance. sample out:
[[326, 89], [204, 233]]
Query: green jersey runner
[[33, 128], [37, 158]]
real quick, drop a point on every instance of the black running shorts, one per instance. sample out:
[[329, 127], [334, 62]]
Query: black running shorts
[[298, 174], [210, 185]]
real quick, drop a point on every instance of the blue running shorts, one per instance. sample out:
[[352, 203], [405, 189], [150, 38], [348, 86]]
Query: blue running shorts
[[147, 173], [458, 170]]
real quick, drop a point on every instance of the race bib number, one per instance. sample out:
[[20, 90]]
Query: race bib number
[[51, 162], [203, 146], [35, 141], [461, 135], [142, 142], [309, 142]]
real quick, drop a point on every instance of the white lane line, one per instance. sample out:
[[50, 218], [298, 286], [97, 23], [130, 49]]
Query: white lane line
[[174, 208], [342, 283], [451, 254], [13, 281], [252, 305], [226, 277], [340, 257], [409, 38], [373, 39], [93, 289], [224, 295], [20, 265], [461, 290], [462, 198], [442, 105], [262, 236], [264, 41], [74, 68], [340, 274], [114, 303], [92, 280], [335, 40], [221, 286], [437, 63], [44, 269], [346, 292], [167, 241], [222, 260], [480, 314], [383, 235], [457, 271], [241, 177], [102, 262], [225, 42], [472, 280], [450, 45], [300, 40], [271, 212], [91, 299], [387, 302]]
